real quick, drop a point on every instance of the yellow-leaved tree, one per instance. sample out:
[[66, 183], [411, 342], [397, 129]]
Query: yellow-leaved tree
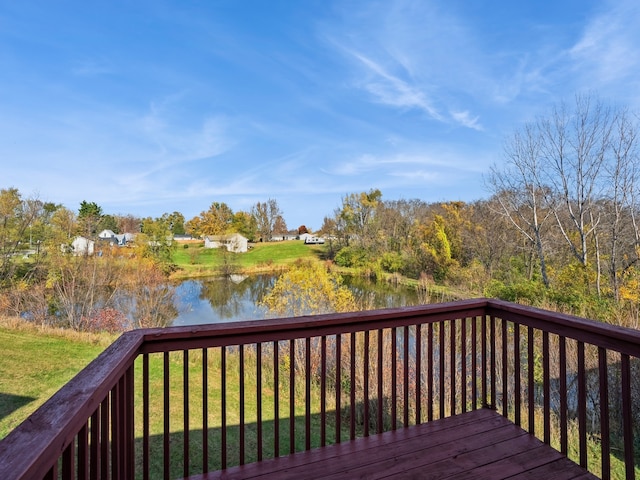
[[306, 289]]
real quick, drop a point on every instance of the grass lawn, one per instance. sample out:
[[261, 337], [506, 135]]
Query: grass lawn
[[193, 259], [35, 363]]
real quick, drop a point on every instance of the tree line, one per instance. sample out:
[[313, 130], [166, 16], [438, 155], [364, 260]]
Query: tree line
[[44, 279], [559, 227]]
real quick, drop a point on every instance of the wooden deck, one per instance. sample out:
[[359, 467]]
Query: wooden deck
[[479, 444], [92, 427]]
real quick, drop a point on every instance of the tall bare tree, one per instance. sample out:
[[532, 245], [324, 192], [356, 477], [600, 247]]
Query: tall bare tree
[[521, 191], [574, 144], [266, 214], [622, 173], [580, 164]]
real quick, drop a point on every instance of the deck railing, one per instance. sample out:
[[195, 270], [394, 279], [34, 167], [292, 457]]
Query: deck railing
[[186, 400]]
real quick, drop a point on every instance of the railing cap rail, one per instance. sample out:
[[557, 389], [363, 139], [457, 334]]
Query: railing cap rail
[[613, 337], [163, 339]]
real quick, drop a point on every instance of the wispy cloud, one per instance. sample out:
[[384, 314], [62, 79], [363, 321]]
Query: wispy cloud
[[172, 142], [399, 164], [465, 119], [408, 55], [608, 52], [392, 90]]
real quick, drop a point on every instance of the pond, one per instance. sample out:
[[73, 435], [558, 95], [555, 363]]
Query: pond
[[236, 297]]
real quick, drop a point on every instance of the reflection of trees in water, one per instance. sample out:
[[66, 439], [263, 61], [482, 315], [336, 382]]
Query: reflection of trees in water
[[148, 303], [228, 295], [231, 298], [371, 295], [187, 292], [260, 286]]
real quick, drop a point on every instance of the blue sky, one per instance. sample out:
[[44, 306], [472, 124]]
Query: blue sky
[[153, 106]]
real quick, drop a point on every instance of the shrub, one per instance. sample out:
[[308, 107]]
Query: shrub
[[353, 257], [392, 262], [529, 292]]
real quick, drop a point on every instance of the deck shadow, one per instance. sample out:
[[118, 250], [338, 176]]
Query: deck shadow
[[9, 403]]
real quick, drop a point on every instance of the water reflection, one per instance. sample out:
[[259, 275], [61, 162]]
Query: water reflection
[[373, 295], [233, 298], [220, 299]]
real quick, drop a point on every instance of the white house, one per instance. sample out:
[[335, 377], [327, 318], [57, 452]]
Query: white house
[[233, 242], [82, 246], [286, 236], [106, 234]]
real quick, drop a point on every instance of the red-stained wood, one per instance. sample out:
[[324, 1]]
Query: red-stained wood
[[394, 379], [418, 337], [441, 372], [259, 398], [463, 365], [365, 379], [600, 334], [475, 444], [352, 394], [505, 369], [405, 390], [205, 410], [474, 363], [292, 399], [185, 413], [254, 331], [276, 400], [323, 391], [242, 404], [452, 367], [430, 376], [564, 439], [307, 394], [104, 392], [379, 418], [517, 380]]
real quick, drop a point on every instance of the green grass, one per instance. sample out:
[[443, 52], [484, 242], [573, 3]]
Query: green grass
[[34, 364], [195, 260]]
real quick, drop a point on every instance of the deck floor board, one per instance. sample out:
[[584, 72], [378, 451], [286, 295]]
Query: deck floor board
[[479, 444]]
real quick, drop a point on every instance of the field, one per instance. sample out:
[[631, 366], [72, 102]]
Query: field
[[193, 260]]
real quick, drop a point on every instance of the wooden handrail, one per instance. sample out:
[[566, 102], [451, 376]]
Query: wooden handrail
[[245, 332], [612, 337]]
